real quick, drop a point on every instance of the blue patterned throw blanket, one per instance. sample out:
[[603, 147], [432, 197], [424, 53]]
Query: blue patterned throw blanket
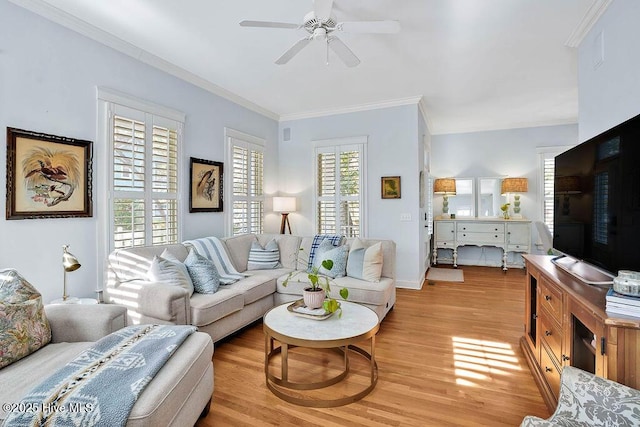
[[100, 386]]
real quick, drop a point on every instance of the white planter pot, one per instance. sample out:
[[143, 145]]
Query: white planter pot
[[313, 299]]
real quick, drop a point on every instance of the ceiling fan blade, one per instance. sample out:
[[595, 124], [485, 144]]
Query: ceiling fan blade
[[343, 52], [386, 27], [293, 50], [268, 24], [322, 9]]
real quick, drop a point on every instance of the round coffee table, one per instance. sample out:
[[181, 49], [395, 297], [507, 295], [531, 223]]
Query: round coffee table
[[357, 323]]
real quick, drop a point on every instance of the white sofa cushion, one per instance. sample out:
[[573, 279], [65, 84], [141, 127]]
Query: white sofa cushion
[[207, 308]]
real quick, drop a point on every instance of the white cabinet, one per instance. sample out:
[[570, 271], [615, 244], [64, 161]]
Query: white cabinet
[[445, 233], [509, 235], [518, 237]]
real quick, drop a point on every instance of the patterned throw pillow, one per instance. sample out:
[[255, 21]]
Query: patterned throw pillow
[[170, 273], [23, 325], [365, 263], [338, 255], [264, 258], [203, 272]]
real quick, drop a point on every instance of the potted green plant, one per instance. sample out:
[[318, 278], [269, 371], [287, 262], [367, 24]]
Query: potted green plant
[[505, 210], [315, 296]]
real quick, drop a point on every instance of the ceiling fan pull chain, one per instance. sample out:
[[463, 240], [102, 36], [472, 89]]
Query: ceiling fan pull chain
[[327, 46]]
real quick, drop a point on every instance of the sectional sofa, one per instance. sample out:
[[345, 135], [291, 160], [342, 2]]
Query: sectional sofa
[[236, 305]]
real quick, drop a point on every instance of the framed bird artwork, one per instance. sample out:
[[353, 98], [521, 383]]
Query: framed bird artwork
[[48, 176], [205, 186]]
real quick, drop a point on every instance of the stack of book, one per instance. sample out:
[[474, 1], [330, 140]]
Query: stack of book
[[622, 304]]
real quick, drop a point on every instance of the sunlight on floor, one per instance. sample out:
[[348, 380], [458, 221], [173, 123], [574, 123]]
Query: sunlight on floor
[[479, 360]]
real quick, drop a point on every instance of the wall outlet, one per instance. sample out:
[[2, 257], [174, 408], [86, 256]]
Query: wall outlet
[[405, 217]]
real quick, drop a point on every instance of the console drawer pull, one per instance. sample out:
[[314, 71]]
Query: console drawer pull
[[548, 369], [547, 297], [547, 333]]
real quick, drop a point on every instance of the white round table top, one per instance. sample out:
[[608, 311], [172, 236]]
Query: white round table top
[[356, 320]]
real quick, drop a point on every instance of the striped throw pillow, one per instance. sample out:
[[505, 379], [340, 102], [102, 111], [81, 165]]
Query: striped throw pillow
[[264, 258]]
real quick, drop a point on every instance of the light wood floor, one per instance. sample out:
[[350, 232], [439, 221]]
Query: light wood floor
[[448, 355]]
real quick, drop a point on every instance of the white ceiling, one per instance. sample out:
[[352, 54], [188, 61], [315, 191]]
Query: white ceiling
[[476, 64]]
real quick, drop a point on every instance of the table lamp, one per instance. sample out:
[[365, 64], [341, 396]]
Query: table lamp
[[69, 263], [515, 186], [446, 187]]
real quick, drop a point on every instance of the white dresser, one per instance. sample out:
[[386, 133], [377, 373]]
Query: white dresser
[[511, 235]]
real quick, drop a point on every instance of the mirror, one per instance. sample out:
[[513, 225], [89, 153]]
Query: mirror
[[489, 197], [463, 203]]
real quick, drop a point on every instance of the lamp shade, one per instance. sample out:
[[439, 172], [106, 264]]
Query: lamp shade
[[284, 204], [567, 185], [445, 186], [69, 261], [514, 185]]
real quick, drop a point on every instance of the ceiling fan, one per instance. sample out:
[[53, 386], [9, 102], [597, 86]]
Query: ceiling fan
[[321, 24]]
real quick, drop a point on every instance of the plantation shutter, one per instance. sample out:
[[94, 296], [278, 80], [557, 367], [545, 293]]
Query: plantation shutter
[[247, 185], [144, 197], [548, 167], [339, 190]]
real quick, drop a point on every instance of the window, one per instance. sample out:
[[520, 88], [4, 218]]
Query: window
[[339, 182], [246, 156], [142, 171], [547, 170]]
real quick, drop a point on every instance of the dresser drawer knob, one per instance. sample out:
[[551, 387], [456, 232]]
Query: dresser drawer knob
[[547, 297], [548, 369], [547, 333], [565, 357]]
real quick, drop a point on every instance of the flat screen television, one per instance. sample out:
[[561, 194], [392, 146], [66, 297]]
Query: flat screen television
[[597, 200]]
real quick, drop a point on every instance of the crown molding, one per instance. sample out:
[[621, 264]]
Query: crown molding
[[591, 16], [503, 126], [60, 17], [351, 109], [422, 105]]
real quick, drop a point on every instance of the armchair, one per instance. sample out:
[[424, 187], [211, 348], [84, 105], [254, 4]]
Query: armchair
[[588, 400]]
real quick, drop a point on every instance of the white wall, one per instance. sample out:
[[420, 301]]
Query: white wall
[[610, 90], [48, 79], [512, 152], [393, 149]]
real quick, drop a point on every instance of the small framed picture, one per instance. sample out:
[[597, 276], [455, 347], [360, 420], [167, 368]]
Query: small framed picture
[[205, 186], [390, 187], [48, 176]]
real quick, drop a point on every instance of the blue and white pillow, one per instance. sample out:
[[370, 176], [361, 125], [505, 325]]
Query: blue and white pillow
[[365, 263], [335, 240], [203, 272], [326, 251], [264, 258]]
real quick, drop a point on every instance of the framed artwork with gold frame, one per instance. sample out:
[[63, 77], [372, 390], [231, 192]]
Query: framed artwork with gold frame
[[48, 176], [390, 187]]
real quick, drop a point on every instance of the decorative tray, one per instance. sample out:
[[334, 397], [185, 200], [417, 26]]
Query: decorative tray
[[299, 309]]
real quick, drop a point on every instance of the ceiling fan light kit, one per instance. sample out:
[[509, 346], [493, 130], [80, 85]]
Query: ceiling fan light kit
[[320, 24]]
